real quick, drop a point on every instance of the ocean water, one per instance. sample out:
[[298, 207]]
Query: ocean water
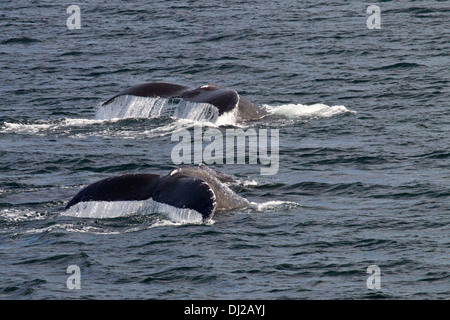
[[363, 118]]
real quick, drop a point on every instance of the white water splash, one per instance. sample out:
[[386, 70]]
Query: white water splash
[[317, 110], [203, 112], [116, 209], [128, 106], [131, 107]]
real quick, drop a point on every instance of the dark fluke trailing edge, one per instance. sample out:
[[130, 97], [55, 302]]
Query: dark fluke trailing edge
[[222, 98], [198, 188]]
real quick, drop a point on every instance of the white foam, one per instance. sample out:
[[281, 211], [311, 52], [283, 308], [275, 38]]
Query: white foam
[[318, 110], [24, 128], [116, 209], [270, 205], [47, 125], [227, 119], [247, 183], [13, 214]]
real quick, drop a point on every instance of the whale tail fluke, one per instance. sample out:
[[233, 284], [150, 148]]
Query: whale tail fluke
[[223, 99], [187, 192], [121, 188], [180, 191]]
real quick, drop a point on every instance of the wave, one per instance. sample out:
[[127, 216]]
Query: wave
[[46, 125], [20, 40], [400, 65], [82, 128]]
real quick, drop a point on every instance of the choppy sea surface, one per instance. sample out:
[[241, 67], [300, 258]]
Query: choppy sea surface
[[363, 118]]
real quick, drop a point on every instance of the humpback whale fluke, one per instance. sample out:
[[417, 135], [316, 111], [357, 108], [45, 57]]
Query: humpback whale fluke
[[201, 189], [224, 99]]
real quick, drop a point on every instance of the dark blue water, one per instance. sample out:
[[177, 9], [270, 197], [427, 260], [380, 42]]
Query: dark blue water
[[363, 119]]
